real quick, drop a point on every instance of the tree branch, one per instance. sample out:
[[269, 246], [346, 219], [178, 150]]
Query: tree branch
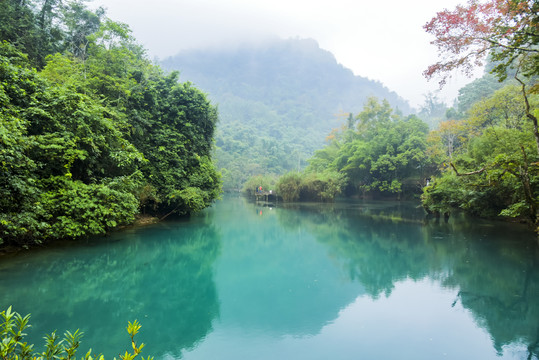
[[469, 173], [496, 43]]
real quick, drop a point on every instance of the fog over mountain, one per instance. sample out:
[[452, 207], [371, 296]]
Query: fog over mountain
[[277, 99]]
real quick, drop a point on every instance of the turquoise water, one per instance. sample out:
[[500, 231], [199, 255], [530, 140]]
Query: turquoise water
[[350, 280]]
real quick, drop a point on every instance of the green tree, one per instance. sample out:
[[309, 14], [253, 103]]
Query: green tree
[[289, 186], [67, 170], [377, 153], [477, 90], [382, 153], [433, 110], [491, 172], [173, 126]]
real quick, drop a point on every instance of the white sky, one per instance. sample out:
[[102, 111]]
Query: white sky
[[382, 40]]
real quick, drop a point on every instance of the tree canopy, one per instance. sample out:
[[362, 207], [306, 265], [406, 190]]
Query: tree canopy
[[489, 160], [507, 30], [377, 153]]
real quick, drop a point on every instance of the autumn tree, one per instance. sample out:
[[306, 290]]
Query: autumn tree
[[505, 30], [508, 30]]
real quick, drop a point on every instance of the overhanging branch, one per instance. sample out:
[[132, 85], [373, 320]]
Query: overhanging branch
[[468, 173]]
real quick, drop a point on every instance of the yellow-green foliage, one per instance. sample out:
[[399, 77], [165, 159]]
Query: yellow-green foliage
[[13, 347], [377, 152], [492, 169], [310, 186], [289, 186]]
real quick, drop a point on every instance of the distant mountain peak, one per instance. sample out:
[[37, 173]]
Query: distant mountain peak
[[300, 61]]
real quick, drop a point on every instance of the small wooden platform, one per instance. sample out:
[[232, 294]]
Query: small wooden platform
[[265, 196]]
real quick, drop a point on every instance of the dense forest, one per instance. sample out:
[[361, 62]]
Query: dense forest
[[377, 152], [91, 132], [490, 155], [482, 158], [277, 99], [280, 100]]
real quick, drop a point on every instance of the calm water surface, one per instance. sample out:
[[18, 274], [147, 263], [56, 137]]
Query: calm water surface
[[246, 281]]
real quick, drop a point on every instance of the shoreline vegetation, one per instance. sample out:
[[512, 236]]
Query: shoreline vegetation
[[480, 156], [140, 221], [379, 154], [92, 133]]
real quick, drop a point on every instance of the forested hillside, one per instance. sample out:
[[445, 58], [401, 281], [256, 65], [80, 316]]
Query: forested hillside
[[91, 132], [277, 101]]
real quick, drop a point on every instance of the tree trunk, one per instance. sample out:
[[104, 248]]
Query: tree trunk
[[530, 116]]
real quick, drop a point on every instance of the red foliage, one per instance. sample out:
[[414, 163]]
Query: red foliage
[[464, 36]]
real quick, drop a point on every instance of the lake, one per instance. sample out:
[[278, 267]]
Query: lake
[[350, 280]]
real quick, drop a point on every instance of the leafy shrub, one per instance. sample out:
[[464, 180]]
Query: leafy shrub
[[289, 186], [13, 346], [310, 186]]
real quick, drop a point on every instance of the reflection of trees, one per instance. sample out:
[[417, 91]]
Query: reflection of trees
[[274, 280], [160, 276], [497, 271], [163, 276], [503, 299], [378, 246]]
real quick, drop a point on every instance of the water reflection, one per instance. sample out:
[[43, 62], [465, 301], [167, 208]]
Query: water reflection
[[493, 266], [339, 281], [161, 276], [273, 280]]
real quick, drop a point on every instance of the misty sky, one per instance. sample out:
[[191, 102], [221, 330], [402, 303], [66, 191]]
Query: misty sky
[[383, 40]]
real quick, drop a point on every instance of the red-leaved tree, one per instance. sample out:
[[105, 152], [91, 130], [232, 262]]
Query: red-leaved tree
[[505, 30], [508, 30]]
